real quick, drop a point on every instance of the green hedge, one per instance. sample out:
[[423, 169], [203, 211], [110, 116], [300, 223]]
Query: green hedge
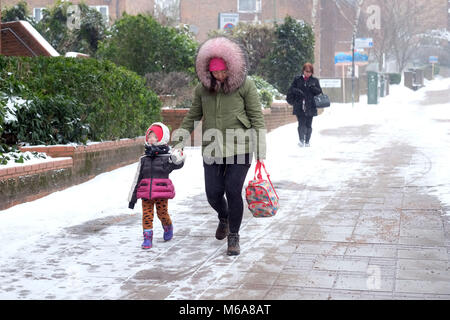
[[72, 100], [266, 91]]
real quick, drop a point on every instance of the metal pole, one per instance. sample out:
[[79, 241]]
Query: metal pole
[[353, 70], [359, 4], [343, 83]]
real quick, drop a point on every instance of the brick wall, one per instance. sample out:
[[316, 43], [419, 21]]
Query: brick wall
[[204, 14], [278, 115], [134, 7], [173, 119], [115, 7], [30, 182], [77, 164]]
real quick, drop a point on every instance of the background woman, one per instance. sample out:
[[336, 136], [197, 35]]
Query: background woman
[[301, 96]]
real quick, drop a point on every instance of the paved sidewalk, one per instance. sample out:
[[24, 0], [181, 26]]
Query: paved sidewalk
[[380, 235]]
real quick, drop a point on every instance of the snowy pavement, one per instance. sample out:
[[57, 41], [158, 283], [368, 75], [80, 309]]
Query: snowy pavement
[[364, 215]]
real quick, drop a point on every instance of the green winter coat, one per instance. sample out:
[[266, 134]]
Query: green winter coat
[[222, 113]]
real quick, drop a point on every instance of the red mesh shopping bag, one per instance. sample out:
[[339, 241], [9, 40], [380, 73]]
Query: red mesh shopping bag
[[262, 199]]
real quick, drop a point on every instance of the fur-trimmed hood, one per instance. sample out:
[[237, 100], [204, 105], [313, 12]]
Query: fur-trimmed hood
[[234, 56]]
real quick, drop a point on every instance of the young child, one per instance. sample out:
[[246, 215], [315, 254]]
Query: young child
[[152, 183]]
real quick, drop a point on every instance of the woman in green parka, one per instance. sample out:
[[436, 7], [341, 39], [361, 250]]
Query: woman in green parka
[[233, 129]]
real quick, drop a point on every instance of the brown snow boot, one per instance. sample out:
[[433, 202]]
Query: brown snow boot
[[222, 229], [233, 244]]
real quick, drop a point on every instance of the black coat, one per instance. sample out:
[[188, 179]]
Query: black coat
[[155, 164], [304, 90]]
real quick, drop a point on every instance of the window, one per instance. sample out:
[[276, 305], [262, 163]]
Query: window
[[104, 10], [249, 5], [38, 13]]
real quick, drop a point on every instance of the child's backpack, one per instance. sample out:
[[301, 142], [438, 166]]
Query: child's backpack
[[261, 196]]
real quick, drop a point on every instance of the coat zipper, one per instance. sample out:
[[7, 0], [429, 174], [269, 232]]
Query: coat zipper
[[151, 179]]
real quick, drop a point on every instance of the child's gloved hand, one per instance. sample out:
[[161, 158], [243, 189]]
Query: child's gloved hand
[[178, 156]]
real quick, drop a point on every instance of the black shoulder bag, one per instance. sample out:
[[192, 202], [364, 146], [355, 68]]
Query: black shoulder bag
[[322, 101]]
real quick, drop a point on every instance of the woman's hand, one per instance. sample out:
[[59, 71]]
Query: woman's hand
[[299, 91], [310, 84]]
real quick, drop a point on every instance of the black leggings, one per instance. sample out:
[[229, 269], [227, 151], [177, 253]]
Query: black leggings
[[227, 179], [304, 127]]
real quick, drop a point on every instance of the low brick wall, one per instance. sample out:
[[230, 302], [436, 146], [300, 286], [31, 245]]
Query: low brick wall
[[30, 182], [278, 115], [79, 164]]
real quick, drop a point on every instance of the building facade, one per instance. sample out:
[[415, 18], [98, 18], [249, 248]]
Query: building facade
[[110, 9], [332, 20], [205, 15]]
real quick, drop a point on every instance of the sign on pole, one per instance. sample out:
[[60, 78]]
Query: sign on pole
[[342, 58], [433, 59], [228, 20], [345, 58], [330, 83], [362, 43]]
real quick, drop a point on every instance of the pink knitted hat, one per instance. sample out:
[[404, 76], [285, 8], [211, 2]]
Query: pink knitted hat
[[157, 130], [217, 64]]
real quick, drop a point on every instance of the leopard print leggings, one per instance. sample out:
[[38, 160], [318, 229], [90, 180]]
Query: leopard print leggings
[[161, 211]]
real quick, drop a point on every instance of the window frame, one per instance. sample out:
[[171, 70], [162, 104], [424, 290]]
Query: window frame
[[40, 12], [258, 6], [98, 7]]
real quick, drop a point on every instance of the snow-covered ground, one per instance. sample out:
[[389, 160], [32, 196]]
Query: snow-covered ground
[[401, 117]]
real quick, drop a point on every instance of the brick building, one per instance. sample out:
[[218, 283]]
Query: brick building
[[204, 15], [332, 20], [110, 9], [21, 39]]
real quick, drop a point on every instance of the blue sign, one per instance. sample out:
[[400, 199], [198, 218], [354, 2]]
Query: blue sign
[[346, 57], [228, 26], [342, 57], [433, 59], [361, 57]]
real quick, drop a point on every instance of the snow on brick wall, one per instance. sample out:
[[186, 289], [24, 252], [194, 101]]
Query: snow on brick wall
[[71, 165]]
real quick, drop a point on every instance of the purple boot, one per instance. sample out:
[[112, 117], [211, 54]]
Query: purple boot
[[168, 232], [148, 238]]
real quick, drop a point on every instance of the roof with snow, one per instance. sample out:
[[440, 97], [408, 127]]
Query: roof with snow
[[19, 38]]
